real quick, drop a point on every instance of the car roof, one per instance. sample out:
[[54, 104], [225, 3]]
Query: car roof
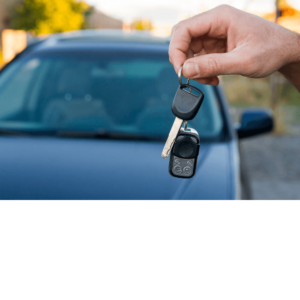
[[99, 39], [111, 35]]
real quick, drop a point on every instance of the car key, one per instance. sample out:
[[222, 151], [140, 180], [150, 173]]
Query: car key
[[184, 154], [185, 107]]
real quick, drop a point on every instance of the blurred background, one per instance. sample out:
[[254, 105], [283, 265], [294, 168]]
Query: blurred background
[[273, 160]]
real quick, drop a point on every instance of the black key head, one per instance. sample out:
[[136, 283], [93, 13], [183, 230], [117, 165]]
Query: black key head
[[186, 104]]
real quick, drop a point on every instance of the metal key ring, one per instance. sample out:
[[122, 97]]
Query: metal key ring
[[179, 76]]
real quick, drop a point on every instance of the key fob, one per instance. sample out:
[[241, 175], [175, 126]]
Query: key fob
[[184, 154]]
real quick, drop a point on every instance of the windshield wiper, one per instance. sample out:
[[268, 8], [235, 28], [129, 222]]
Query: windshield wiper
[[106, 135], [26, 132], [78, 134]]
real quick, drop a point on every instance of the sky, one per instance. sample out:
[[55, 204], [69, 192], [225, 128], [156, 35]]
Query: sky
[[294, 3], [172, 11]]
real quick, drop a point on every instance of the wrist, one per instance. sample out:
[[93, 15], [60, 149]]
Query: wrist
[[291, 67], [293, 49]]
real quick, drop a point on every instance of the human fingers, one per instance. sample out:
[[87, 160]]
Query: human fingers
[[209, 81], [215, 22], [211, 65]]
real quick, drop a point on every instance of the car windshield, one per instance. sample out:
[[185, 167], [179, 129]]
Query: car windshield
[[98, 92]]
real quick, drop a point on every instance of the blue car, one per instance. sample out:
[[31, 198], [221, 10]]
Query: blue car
[[86, 115]]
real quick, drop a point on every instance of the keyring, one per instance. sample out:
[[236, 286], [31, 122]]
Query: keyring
[[185, 125], [179, 76]]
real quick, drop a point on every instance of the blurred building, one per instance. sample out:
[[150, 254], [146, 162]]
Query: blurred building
[[97, 19], [13, 42], [6, 9], [162, 30]]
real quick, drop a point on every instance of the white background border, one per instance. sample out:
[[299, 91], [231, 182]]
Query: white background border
[[149, 250]]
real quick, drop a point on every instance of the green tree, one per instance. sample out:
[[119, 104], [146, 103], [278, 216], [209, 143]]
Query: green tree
[[50, 16]]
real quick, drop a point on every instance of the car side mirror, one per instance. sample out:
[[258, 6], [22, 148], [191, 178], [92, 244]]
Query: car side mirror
[[255, 122]]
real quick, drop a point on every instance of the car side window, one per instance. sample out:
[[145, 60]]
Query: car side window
[[13, 92]]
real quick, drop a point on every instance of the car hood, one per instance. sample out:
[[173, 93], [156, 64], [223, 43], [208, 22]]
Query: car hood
[[65, 168]]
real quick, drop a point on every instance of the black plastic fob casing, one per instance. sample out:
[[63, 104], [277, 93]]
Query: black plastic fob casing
[[185, 104], [184, 154]]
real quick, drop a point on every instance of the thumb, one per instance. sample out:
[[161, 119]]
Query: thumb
[[210, 65]]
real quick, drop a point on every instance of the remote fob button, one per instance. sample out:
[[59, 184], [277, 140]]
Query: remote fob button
[[185, 149], [187, 170], [177, 169]]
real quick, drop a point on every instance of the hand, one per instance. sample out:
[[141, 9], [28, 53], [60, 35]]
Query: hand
[[226, 41]]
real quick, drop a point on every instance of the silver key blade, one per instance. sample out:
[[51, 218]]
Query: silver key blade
[[172, 137]]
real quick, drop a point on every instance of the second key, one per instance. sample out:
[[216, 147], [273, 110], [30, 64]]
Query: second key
[[185, 107]]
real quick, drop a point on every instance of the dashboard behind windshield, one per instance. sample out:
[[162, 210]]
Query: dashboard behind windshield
[[99, 91]]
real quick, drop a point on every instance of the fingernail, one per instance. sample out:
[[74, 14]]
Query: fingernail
[[191, 69]]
